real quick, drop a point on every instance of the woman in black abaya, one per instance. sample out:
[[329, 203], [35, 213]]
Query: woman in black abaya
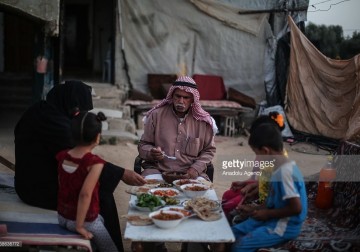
[[45, 129]]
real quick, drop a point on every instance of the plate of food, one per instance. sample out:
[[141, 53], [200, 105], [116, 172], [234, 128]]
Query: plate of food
[[166, 219], [206, 214], [164, 192], [205, 209], [201, 202], [153, 182], [169, 177], [194, 190], [181, 209], [135, 190], [138, 220], [179, 182], [165, 185], [147, 202]]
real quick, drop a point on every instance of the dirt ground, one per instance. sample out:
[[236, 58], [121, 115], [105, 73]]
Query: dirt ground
[[309, 159]]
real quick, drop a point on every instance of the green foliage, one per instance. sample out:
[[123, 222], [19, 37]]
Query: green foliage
[[102, 141], [350, 47], [112, 140], [331, 42]]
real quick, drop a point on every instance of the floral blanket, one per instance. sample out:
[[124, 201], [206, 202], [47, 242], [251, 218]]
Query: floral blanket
[[336, 229]]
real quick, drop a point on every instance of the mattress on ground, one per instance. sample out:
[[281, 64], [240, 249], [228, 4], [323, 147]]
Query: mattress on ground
[[30, 225]]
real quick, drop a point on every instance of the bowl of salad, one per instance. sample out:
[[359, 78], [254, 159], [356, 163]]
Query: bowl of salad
[[146, 202]]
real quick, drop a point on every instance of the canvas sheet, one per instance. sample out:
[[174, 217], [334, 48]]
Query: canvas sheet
[[323, 95]]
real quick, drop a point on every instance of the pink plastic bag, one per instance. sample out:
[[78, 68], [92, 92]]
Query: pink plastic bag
[[41, 64]]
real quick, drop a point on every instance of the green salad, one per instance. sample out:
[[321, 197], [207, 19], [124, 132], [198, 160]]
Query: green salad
[[148, 200]]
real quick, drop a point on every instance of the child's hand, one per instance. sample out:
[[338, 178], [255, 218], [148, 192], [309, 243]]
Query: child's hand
[[250, 190], [248, 209], [86, 234], [261, 214], [237, 185]]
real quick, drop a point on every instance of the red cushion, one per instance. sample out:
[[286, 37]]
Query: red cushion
[[211, 87]]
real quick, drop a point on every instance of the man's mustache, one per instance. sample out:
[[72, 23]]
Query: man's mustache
[[180, 105]]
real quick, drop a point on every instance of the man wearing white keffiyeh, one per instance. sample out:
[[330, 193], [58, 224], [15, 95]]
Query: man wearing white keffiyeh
[[178, 127]]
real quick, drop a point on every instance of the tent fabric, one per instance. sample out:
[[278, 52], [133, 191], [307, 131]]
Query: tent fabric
[[202, 37], [249, 23], [278, 50], [323, 95], [282, 58], [165, 37]]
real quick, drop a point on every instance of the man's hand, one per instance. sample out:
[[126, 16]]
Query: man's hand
[[193, 173], [132, 178], [157, 153]]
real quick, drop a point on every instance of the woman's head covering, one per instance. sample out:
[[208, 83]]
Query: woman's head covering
[[70, 97], [187, 84]]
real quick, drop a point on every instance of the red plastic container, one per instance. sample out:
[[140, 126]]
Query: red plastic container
[[325, 193]]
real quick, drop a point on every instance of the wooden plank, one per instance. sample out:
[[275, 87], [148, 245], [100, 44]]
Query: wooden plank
[[7, 163]]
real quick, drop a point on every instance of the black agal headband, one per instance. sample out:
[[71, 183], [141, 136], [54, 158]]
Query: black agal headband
[[182, 83]]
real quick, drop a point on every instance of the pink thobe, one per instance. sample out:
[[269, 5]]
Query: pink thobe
[[191, 141]]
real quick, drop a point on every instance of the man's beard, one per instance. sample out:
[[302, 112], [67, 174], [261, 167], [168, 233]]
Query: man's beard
[[180, 107]]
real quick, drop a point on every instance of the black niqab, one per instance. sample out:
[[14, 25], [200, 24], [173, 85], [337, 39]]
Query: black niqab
[[42, 131], [72, 94]]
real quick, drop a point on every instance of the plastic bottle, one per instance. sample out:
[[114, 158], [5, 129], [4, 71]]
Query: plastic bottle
[[325, 193]]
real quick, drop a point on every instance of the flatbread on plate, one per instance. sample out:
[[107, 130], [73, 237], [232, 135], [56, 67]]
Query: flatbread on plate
[[135, 190], [138, 220], [206, 214], [202, 202], [153, 182]]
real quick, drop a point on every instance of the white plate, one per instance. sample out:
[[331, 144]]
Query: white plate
[[153, 190]]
